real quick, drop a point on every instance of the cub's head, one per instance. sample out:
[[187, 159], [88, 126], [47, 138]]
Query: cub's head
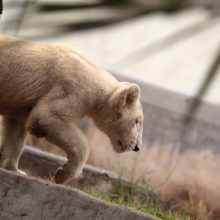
[[123, 118]]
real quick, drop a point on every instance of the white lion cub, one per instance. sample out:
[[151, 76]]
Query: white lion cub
[[45, 89]]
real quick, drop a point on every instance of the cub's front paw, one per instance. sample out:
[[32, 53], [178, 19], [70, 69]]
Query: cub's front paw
[[62, 175], [65, 173], [22, 172]]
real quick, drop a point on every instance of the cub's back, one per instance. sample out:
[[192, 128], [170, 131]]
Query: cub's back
[[24, 72]]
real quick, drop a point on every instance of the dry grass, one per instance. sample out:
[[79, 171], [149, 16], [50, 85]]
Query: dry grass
[[188, 182]]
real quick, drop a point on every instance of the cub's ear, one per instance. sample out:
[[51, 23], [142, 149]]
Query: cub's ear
[[127, 95]]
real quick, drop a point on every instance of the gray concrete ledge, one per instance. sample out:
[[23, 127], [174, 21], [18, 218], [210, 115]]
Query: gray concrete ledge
[[164, 112], [173, 101], [42, 164], [30, 198]]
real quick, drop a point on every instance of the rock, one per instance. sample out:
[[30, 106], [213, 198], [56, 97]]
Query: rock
[[27, 198]]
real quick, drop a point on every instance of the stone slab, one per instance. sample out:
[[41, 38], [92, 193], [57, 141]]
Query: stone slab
[[29, 198]]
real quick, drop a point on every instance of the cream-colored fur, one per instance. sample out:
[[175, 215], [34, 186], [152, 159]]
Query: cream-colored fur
[[45, 89]]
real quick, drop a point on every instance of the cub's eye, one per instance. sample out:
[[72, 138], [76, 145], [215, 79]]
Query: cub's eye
[[136, 121]]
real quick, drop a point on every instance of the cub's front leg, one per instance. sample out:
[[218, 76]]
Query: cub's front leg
[[13, 137], [66, 135], [75, 144]]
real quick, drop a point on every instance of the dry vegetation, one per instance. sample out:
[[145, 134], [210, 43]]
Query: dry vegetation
[[187, 183]]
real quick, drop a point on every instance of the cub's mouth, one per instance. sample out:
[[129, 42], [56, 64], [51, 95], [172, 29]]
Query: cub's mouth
[[125, 148]]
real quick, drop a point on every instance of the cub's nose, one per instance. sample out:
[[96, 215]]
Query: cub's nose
[[136, 148]]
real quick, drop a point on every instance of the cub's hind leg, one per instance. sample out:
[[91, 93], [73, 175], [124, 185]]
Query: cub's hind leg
[[13, 137]]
